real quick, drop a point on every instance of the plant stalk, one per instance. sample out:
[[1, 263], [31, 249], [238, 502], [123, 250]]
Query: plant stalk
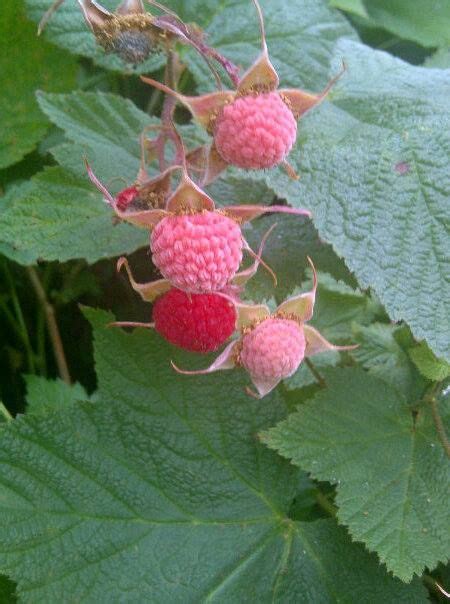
[[440, 429], [52, 325]]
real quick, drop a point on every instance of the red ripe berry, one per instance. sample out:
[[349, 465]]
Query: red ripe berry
[[125, 197], [195, 322]]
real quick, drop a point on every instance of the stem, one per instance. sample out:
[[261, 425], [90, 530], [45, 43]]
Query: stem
[[434, 585], [325, 504], [52, 325], [315, 373], [6, 414], [440, 426]]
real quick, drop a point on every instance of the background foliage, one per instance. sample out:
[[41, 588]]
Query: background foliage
[[135, 484]]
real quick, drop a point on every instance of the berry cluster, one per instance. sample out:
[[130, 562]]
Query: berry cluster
[[198, 248]]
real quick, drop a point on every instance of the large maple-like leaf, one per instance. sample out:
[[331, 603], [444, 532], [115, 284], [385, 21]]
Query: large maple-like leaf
[[161, 492], [390, 468]]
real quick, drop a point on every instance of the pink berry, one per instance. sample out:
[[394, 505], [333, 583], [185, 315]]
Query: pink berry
[[198, 253], [255, 131], [195, 322], [273, 350], [126, 197]]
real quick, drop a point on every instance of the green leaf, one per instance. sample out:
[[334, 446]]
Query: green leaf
[[67, 28], [300, 36], [440, 59], [59, 216], [407, 20], [50, 395], [160, 491], [104, 127], [390, 468], [355, 7], [384, 357], [374, 173], [286, 251], [428, 364], [25, 64]]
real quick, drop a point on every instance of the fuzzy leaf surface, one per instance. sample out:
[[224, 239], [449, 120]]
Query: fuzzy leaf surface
[[406, 20], [105, 128], [390, 470], [47, 395], [374, 173], [59, 216], [161, 492], [428, 364], [385, 357], [26, 63]]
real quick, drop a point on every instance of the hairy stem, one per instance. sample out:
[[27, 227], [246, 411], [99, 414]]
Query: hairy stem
[[315, 373], [52, 325]]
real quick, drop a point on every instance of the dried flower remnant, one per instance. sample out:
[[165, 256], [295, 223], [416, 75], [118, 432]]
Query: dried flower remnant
[[272, 346], [134, 34], [254, 126]]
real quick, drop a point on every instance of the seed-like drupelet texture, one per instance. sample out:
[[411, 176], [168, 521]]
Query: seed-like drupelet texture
[[255, 131], [197, 253], [195, 322], [274, 349], [126, 197]]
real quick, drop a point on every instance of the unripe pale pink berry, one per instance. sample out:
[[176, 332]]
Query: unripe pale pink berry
[[197, 253], [195, 322], [255, 131], [273, 349]]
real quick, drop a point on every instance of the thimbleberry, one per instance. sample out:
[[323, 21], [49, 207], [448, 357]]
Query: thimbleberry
[[272, 346]]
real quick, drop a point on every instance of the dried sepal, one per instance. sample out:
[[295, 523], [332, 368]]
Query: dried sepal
[[204, 108], [300, 101], [316, 343], [300, 307], [251, 314], [148, 291], [226, 360], [188, 197], [248, 212]]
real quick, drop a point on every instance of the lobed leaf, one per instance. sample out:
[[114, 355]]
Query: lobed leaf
[[161, 492], [389, 466]]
